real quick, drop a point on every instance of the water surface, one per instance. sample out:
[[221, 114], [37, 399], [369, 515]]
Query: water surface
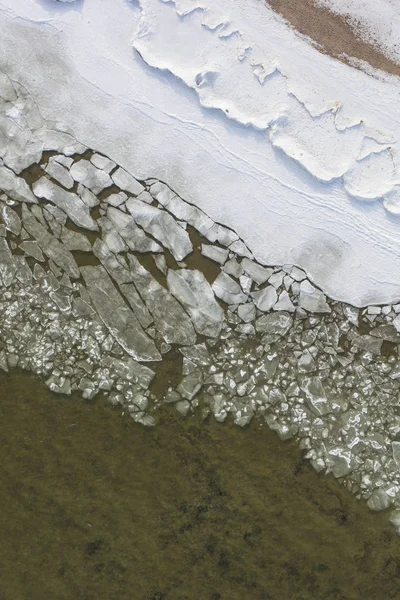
[[94, 506]]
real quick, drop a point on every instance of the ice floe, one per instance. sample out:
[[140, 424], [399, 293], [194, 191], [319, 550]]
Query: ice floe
[[70, 203], [192, 289], [116, 315], [161, 226]]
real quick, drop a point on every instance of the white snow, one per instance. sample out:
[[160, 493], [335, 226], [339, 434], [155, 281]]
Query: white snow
[[294, 151]]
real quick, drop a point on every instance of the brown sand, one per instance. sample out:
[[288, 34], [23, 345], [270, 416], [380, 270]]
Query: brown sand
[[334, 34]]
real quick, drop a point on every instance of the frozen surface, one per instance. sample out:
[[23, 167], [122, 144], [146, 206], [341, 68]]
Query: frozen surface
[[301, 159]]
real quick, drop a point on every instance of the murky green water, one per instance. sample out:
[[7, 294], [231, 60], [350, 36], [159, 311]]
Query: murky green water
[[93, 506]]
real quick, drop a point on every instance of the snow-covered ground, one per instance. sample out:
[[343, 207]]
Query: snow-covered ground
[[222, 100]]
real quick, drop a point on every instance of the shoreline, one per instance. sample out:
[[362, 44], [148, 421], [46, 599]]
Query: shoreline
[[332, 34]]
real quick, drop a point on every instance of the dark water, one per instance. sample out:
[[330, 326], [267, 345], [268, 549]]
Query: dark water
[[93, 506]]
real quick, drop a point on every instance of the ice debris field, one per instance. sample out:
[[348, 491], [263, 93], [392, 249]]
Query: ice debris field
[[226, 208]]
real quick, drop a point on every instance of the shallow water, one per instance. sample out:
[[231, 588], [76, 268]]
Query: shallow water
[[94, 506]]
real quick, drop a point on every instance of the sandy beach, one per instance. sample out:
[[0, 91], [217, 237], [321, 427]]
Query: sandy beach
[[332, 33]]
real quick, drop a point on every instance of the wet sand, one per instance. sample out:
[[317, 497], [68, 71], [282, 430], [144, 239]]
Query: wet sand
[[93, 506], [333, 34]]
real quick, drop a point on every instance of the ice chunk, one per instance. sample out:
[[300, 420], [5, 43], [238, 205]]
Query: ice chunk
[[116, 316], [161, 263], [59, 173], [297, 274], [228, 290], [130, 369], [232, 267], [70, 203], [115, 242], [171, 397], [190, 385], [306, 362], [226, 236], [258, 273], [23, 272], [116, 199], [312, 299], [50, 244], [245, 283], [284, 303], [170, 318], [59, 140], [274, 323], [192, 290], [22, 127], [137, 304], [365, 342], [340, 461], [7, 264], [74, 240], [183, 407], [162, 193], [135, 238], [247, 312], [80, 308], [62, 299], [330, 333], [10, 219], [56, 213], [116, 270], [102, 162], [265, 298], [182, 210], [379, 500], [59, 385], [215, 253], [37, 211], [15, 187], [66, 161], [127, 182], [352, 314], [218, 405], [396, 323], [240, 248], [162, 226], [32, 249], [396, 452], [111, 237], [386, 332], [146, 197], [88, 175], [315, 394], [87, 196], [198, 354]]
